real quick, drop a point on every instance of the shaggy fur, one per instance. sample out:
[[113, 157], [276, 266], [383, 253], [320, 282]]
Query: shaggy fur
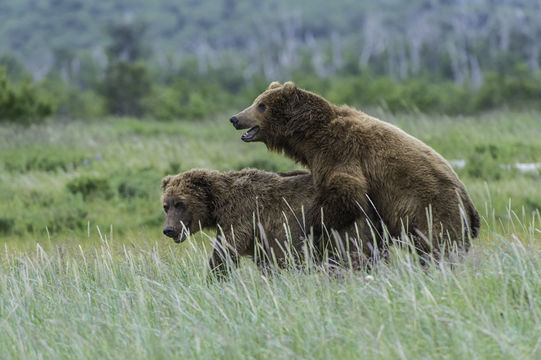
[[235, 202], [363, 165]]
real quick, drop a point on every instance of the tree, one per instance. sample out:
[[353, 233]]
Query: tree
[[127, 42], [14, 69], [21, 103], [126, 81], [124, 88]]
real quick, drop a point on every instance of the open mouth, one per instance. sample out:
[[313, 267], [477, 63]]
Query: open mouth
[[250, 134]]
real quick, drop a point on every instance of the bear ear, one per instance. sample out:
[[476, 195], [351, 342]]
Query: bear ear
[[166, 180], [204, 182], [274, 85], [201, 180], [289, 88]]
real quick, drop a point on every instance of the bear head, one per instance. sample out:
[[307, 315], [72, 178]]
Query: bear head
[[283, 113], [187, 202]]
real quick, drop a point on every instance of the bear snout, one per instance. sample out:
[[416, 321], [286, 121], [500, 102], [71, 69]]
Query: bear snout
[[235, 121], [170, 232]]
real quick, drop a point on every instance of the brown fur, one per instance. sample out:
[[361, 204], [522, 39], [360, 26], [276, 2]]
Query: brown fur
[[212, 200], [360, 162]]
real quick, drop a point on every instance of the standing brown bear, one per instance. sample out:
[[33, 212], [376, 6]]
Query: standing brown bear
[[362, 165], [249, 206]]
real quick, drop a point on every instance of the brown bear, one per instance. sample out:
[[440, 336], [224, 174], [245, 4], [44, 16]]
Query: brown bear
[[243, 206], [362, 165], [255, 210]]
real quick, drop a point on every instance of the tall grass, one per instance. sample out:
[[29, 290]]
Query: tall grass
[[85, 273], [155, 300], [61, 176]]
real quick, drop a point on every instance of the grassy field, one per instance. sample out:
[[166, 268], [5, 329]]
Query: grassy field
[[86, 273]]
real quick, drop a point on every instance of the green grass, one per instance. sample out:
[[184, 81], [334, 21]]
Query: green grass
[[150, 301], [57, 178], [86, 273]]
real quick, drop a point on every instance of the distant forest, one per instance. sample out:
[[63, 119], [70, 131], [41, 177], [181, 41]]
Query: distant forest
[[455, 38], [461, 43]]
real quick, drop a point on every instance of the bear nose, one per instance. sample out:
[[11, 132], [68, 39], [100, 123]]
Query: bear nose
[[234, 121], [170, 231]]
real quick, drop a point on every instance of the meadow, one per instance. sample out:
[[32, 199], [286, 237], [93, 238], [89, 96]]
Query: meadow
[[85, 271]]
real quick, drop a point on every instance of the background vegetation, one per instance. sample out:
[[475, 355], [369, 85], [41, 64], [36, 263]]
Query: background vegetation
[[168, 59], [61, 178]]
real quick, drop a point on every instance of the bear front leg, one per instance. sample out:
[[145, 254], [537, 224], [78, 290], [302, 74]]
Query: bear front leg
[[339, 201]]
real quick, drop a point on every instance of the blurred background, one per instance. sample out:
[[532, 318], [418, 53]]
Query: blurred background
[[100, 99], [166, 59]]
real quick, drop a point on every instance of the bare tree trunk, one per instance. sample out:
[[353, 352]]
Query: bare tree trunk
[[456, 63], [336, 46], [476, 73], [533, 60], [402, 60], [292, 24], [317, 58]]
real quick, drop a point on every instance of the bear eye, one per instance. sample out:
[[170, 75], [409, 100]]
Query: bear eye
[[179, 205], [165, 208], [261, 107]]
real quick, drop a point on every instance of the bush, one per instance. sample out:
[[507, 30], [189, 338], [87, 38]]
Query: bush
[[138, 183], [129, 86], [125, 87], [66, 219], [88, 186], [172, 103], [484, 163], [6, 225], [516, 89], [70, 101], [22, 104], [187, 101]]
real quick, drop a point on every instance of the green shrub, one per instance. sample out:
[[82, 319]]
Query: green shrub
[[187, 101], [70, 101], [164, 104], [516, 89], [174, 167], [484, 163], [125, 87], [133, 87], [89, 185], [21, 104], [139, 184], [67, 220], [6, 225]]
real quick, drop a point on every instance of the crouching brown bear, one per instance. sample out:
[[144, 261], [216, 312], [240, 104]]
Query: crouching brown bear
[[257, 211], [243, 206], [362, 165]]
